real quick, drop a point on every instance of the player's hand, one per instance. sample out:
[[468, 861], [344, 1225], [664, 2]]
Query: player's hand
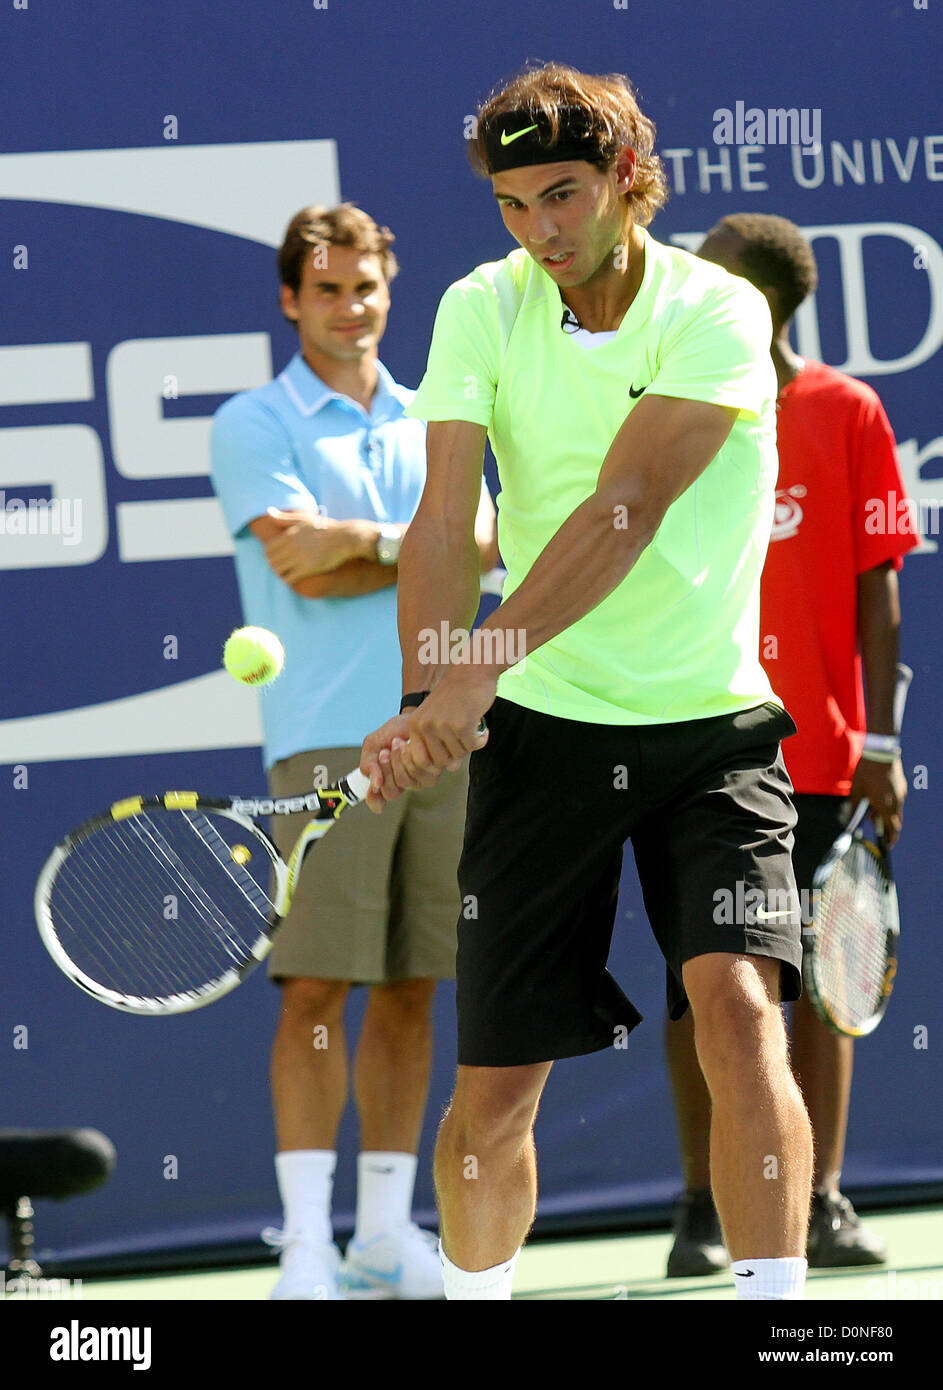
[[308, 544], [885, 787], [375, 761], [444, 729]]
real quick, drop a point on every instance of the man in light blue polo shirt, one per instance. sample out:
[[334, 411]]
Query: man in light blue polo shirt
[[319, 474]]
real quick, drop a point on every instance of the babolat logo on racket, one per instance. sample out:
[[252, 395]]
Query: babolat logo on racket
[[277, 806]]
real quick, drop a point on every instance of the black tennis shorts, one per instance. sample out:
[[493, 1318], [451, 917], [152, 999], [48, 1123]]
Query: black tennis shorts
[[707, 806]]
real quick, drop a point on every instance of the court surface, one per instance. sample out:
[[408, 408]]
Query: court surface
[[617, 1267]]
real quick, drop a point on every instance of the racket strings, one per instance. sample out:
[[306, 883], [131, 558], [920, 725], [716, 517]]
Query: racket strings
[[199, 900], [157, 905], [242, 880], [181, 877], [852, 923], [110, 908], [85, 915]]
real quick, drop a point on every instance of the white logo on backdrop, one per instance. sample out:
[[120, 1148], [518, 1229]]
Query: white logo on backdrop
[[248, 191], [860, 360]]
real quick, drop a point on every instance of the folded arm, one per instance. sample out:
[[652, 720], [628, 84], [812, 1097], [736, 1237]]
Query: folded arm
[[319, 557]]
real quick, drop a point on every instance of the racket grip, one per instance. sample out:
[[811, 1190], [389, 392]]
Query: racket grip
[[358, 785]]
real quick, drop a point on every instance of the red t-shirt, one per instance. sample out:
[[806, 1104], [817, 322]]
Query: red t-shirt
[[841, 509]]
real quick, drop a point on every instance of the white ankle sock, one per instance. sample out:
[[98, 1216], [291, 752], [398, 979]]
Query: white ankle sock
[[385, 1184], [306, 1184], [478, 1284], [774, 1279]]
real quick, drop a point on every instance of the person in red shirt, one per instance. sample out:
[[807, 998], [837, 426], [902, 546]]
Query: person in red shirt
[[830, 615]]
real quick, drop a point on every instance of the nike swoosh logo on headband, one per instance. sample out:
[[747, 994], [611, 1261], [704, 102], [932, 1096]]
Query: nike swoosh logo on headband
[[507, 139]]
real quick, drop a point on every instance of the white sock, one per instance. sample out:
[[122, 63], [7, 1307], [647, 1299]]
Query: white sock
[[385, 1184], [477, 1284], [306, 1184], [777, 1279]]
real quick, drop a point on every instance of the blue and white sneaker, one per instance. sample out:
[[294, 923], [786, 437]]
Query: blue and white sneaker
[[398, 1264], [309, 1269]]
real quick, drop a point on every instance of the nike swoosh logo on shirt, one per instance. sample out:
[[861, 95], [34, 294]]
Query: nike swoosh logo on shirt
[[508, 139], [635, 394], [762, 916]]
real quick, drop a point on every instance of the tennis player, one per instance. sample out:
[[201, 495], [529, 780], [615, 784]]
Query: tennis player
[[829, 607], [630, 400], [319, 474]]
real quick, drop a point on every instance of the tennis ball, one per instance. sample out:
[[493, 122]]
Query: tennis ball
[[253, 655]]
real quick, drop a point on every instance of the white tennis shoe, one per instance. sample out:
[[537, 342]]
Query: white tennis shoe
[[309, 1269], [398, 1264]]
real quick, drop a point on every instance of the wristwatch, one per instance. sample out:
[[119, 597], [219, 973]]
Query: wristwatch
[[388, 544]]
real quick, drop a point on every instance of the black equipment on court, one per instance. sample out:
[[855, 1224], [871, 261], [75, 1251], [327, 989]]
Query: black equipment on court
[[45, 1163]]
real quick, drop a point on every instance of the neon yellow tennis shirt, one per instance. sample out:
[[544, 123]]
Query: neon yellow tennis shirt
[[678, 638]]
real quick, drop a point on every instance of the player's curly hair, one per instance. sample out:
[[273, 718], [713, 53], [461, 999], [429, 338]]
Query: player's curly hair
[[775, 255], [615, 120], [345, 225]]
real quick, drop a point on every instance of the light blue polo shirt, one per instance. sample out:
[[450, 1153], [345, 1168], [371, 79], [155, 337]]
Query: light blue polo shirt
[[294, 444]]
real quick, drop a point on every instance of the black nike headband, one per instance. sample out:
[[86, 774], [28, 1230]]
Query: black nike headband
[[515, 138]]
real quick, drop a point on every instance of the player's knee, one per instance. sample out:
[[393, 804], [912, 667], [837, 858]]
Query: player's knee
[[306, 1002], [737, 1023], [494, 1107], [403, 1002]]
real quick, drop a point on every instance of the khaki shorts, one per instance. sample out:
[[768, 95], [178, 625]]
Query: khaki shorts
[[378, 898]]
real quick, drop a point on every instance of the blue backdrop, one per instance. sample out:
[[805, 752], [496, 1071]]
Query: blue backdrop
[[152, 156]]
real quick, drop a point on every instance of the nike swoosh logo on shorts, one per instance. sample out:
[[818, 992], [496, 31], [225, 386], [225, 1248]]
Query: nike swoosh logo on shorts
[[508, 139], [635, 394]]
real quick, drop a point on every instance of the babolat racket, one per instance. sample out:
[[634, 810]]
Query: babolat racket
[[165, 903], [850, 957]]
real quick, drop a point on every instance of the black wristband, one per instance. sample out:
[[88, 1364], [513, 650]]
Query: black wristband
[[413, 699]]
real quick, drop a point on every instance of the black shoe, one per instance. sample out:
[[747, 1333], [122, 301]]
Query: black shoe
[[837, 1238], [699, 1242]]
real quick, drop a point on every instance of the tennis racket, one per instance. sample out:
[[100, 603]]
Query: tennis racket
[[850, 957], [165, 903]]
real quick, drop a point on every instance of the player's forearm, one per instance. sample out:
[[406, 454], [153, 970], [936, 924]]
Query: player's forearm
[[350, 580], [439, 583], [582, 564], [879, 641]]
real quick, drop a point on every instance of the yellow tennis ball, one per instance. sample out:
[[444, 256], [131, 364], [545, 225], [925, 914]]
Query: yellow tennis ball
[[240, 854], [253, 655]]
